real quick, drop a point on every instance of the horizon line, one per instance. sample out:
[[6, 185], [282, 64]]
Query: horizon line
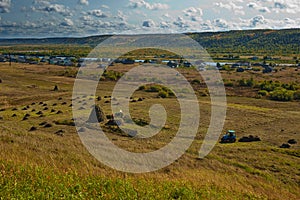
[[129, 34]]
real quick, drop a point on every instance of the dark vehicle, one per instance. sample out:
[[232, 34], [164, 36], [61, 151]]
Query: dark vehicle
[[229, 137]]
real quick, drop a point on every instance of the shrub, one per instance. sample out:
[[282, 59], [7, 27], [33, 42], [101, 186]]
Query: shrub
[[250, 82], [263, 93], [258, 96], [269, 85], [163, 94], [65, 122], [112, 75], [203, 93], [281, 94], [140, 122], [163, 91], [242, 83], [196, 81], [297, 95], [228, 84], [142, 88], [226, 68], [291, 86], [153, 88]]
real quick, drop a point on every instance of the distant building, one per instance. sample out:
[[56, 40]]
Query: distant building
[[128, 62], [187, 64], [173, 64], [240, 69], [244, 64], [254, 58], [139, 61], [2, 59], [267, 69], [235, 65]]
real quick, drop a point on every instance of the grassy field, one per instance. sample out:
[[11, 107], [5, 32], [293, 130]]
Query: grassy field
[[52, 163]]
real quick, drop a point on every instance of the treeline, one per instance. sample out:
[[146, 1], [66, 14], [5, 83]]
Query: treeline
[[283, 42], [265, 41]]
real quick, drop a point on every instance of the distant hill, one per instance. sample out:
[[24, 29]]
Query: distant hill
[[251, 39], [92, 40], [246, 39]]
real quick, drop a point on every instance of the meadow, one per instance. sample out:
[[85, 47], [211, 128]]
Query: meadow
[[42, 156]]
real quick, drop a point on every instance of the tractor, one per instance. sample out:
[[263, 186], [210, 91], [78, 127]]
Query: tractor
[[229, 137]]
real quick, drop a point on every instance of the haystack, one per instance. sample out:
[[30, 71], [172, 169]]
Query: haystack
[[97, 115]]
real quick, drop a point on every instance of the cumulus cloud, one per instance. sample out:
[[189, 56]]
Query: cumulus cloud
[[98, 13], [221, 23], [258, 7], [5, 6], [280, 5], [84, 2], [195, 14], [67, 22], [47, 7], [105, 6], [166, 15], [290, 6], [258, 21], [86, 18], [145, 4], [231, 6], [192, 10], [148, 23], [283, 6], [164, 25], [180, 22], [121, 16]]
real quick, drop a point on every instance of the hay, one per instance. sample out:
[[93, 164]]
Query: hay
[[97, 115]]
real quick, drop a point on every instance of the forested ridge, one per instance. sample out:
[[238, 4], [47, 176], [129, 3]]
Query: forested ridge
[[282, 41]]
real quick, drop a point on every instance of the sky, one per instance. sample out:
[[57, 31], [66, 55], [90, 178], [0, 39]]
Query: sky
[[77, 18]]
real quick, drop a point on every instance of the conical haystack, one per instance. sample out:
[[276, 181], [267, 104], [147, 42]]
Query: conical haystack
[[97, 115]]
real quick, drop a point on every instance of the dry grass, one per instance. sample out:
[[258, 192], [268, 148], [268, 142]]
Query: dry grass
[[232, 171]]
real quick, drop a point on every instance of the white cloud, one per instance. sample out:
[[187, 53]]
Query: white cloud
[[5, 6], [231, 6], [181, 23], [148, 23], [290, 7], [98, 13], [166, 15], [145, 4], [45, 6], [67, 22], [84, 2], [258, 21], [258, 7], [221, 23], [86, 18], [105, 6], [164, 25], [192, 11], [121, 16], [278, 6], [195, 14]]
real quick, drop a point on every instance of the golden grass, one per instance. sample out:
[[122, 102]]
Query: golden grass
[[231, 171]]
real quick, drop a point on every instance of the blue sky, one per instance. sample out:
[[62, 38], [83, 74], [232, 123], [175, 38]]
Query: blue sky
[[64, 18]]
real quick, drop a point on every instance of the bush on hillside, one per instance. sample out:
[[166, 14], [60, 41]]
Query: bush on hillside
[[281, 94]]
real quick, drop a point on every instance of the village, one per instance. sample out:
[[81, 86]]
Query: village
[[233, 65]]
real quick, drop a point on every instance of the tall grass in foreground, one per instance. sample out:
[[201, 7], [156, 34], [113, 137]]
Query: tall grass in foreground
[[24, 182]]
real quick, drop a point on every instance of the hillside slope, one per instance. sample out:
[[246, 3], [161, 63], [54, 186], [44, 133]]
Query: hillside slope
[[246, 39]]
